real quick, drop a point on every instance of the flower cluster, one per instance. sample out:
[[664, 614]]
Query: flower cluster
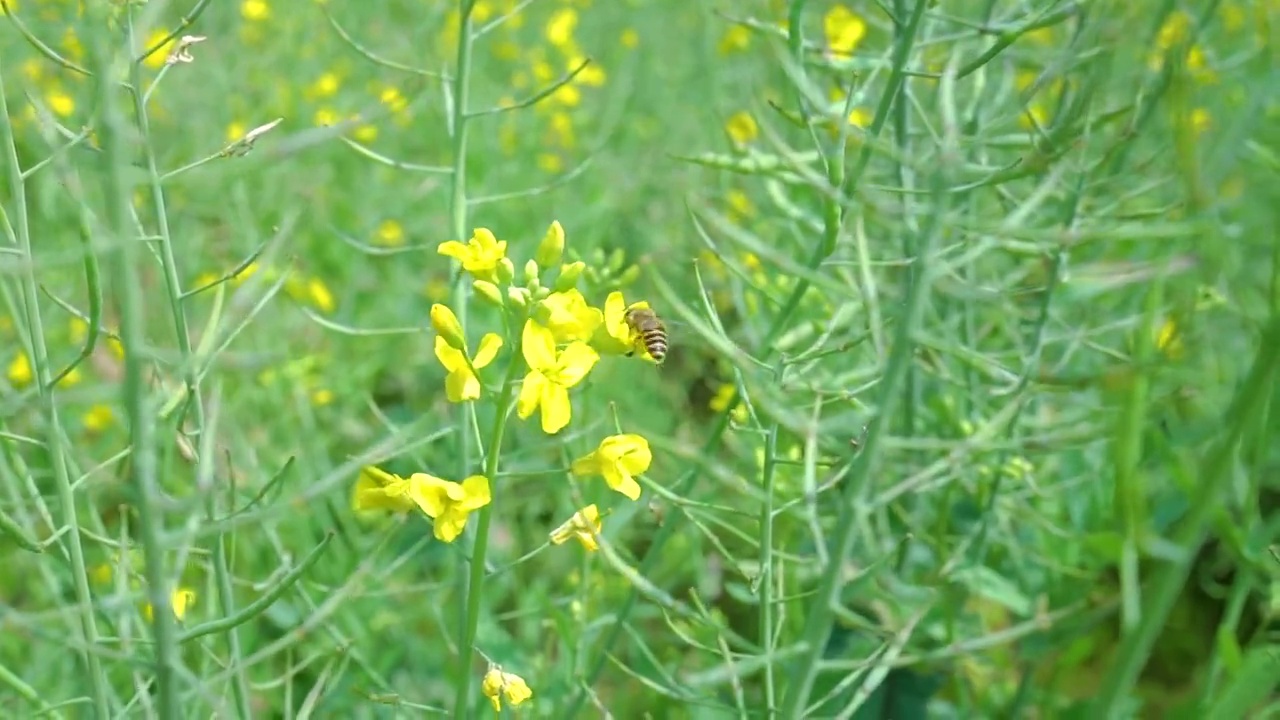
[[555, 337]]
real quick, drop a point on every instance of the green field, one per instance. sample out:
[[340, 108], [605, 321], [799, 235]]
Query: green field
[[319, 395]]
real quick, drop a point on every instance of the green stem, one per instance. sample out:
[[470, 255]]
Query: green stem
[[480, 546], [114, 160], [190, 372], [54, 442], [458, 214]]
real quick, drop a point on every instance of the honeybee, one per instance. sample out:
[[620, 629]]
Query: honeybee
[[652, 332]]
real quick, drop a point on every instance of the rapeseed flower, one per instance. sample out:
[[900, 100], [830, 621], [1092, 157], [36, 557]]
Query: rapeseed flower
[[498, 683], [461, 384], [619, 458], [447, 503], [844, 30], [584, 526], [552, 373], [568, 316], [481, 256], [741, 128]]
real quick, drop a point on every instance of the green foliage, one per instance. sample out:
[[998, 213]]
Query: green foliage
[[973, 314]]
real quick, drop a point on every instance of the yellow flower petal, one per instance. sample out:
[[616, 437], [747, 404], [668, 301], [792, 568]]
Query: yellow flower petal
[[430, 493], [556, 409], [620, 480], [530, 394], [538, 346], [489, 346], [575, 362], [475, 492]]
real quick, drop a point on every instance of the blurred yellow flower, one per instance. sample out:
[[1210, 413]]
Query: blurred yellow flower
[[550, 162], [735, 39], [390, 234], [365, 133], [740, 206], [60, 102], [319, 295], [561, 26], [844, 30], [1201, 120], [1169, 339], [720, 402], [325, 86], [742, 128], [255, 10], [552, 373], [584, 526], [157, 59], [567, 95], [498, 683], [235, 131], [630, 38], [20, 372], [619, 458], [321, 397], [326, 117], [180, 600]]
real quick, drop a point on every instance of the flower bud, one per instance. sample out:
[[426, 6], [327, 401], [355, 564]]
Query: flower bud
[[551, 247], [505, 270], [569, 274], [447, 326], [531, 272], [628, 276], [617, 259], [518, 296], [489, 291]]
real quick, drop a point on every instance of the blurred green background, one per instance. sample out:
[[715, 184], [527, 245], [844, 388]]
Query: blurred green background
[[972, 320]]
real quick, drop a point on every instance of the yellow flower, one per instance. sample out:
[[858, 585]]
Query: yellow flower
[[157, 59], [325, 86], [446, 325], [742, 128], [844, 30], [630, 38], [498, 683], [20, 372], [1169, 339], [321, 397], [618, 459], [1201, 120], [60, 103], [461, 384], [447, 503], [480, 256], [255, 10], [551, 374], [180, 600], [740, 206], [736, 39], [616, 336], [720, 402], [319, 295], [584, 526], [365, 134], [561, 26], [71, 378], [568, 316], [326, 117], [550, 163], [552, 246], [390, 234], [377, 489]]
